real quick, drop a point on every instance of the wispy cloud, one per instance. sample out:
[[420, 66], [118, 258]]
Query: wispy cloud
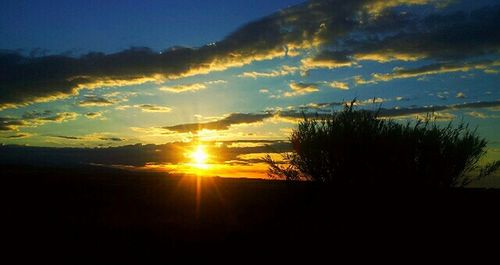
[[88, 137], [301, 89], [34, 119], [153, 108], [284, 70], [92, 101], [190, 87], [221, 124], [65, 137], [183, 88], [94, 115], [114, 139], [18, 136], [433, 69], [146, 108], [339, 85]]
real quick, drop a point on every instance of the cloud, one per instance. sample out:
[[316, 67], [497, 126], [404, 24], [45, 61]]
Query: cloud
[[10, 124], [477, 114], [25, 80], [248, 143], [88, 137], [93, 115], [34, 119], [284, 70], [301, 89], [441, 112], [153, 108], [137, 155], [221, 124], [264, 91], [146, 108], [18, 136], [436, 36], [432, 69], [92, 101], [190, 87], [482, 115], [327, 59], [183, 88], [339, 85], [347, 31], [377, 7], [295, 114], [48, 116], [114, 139], [214, 82], [359, 80], [439, 108], [66, 137], [431, 115]]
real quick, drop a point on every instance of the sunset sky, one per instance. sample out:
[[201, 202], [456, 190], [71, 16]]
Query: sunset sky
[[143, 84]]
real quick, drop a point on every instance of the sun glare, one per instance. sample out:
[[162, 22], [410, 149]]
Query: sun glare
[[199, 157]]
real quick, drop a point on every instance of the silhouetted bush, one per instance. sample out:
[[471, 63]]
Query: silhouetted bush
[[357, 148]]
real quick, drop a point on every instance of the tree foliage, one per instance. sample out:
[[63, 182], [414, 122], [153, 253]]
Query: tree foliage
[[357, 148]]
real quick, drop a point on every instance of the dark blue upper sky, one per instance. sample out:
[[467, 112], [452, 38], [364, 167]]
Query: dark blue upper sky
[[109, 26]]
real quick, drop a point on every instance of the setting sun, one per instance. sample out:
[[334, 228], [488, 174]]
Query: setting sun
[[199, 157]]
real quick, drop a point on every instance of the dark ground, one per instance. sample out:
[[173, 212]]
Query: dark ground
[[92, 212]]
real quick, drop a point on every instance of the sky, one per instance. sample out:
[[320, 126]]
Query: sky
[[139, 84]]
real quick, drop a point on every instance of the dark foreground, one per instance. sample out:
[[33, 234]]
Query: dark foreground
[[106, 214]]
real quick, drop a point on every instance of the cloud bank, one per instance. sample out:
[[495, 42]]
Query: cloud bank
[[25, 80]]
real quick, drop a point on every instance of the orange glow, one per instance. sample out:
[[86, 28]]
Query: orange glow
[[257, 170], [203, 161]]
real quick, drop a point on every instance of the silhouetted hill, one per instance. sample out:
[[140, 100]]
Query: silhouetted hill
[[90, 212]]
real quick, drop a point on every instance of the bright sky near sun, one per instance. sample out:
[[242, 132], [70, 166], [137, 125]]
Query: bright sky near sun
[[156, 78]]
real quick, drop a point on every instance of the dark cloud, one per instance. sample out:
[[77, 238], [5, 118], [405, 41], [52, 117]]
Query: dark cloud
[[29, 115], [222, 124], [325, 109], [432, 69], [93, 115], [153, 108], [10, 124], [66, 137], [25, 80], [448, 37], [87, 138], [428, 109], [91, 100], [320, 110], [34, 118], [328, 59], [18, 136], [47, 115], [355, 29], [130, 155], [248, 118], [114, 139]]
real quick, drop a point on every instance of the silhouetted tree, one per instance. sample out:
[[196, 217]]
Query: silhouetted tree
[[357, 148]]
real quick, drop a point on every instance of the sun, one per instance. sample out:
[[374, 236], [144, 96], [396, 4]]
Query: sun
[[199, 157]]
